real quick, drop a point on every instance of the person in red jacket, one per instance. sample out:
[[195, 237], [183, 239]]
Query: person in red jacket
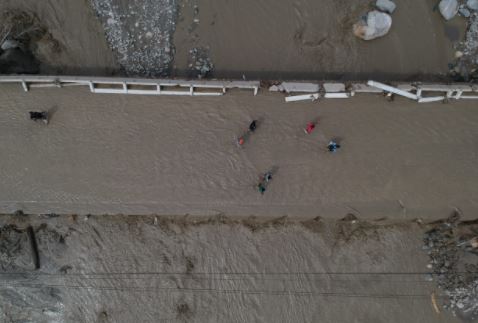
[[310, 127]]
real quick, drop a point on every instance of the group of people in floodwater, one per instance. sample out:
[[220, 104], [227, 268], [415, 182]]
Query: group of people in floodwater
[[332, 147], [265, 179]]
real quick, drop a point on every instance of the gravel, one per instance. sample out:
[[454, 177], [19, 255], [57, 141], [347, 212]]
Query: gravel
[[453, 262], [140, 34], [200, 65]]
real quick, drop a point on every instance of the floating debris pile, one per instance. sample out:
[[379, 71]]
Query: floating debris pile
[[453, 249], [200, 64]]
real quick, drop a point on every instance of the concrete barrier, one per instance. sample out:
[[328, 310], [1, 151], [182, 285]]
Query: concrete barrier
[[134, 86], [303, 97], [421, 93], [295, 87], [394, 90], [448, 91]]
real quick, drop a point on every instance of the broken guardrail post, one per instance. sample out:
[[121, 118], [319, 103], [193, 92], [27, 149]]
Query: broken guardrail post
[[388, 88], [303, 97], [431, 99], [25, 86], [339, 95]]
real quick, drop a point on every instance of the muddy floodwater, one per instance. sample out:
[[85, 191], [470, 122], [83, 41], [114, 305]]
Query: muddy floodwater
[[132, 208], [302, 39], [109, 154], [161, 269], [313, 39]]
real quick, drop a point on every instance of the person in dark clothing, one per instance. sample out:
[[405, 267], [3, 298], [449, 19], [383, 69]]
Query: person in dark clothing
[[39, 115], [267, 176], [253, 126], [333, 146], [261, 187]]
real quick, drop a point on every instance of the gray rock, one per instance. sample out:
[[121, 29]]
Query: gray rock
[[464, 12], [10, 44], [386, 5], [448, 8], [472, 4], [375, 24]]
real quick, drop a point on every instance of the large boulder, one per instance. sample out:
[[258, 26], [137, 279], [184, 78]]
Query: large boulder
[[386, 6], [472, 4], [464, 12], [448, 8], [375, 24]]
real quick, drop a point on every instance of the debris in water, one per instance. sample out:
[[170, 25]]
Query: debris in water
[[466, 64], [375, 24], [454, 264], [34, 247], [200, 64]]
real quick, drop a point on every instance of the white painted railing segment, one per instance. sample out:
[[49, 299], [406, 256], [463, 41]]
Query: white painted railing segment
[[315, 90], [303, 97], [391, 89], [113, 85]]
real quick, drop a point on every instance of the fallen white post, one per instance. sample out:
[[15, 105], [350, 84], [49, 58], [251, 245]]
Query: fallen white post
[[291, 87], [444, 87], [431, 99], [388, 88], [337, 95], [25, 86], [208, 94], [304, 97]]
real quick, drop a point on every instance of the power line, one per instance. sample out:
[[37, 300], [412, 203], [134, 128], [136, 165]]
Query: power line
[[226, 291], [236, 276], [226, 273], [192, 276]]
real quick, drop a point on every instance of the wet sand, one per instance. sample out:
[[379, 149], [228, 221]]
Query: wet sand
[[177, 155], [306, 39]]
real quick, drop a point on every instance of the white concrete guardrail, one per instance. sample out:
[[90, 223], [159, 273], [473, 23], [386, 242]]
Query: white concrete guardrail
[[419, 92], [116, 85]]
